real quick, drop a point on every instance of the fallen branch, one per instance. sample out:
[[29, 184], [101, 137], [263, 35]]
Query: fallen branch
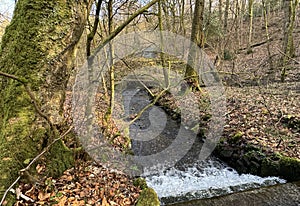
[[9, 189], [26, 198], [281, 52], [148, 106], [256, 44]]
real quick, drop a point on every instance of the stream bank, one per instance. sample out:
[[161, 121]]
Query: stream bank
[[248, 158]]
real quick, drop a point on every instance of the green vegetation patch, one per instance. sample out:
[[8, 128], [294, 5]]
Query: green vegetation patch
[[148, 197]]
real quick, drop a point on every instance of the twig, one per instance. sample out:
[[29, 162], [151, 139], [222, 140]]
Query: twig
[[281, 52], [10, 187], [34, 160], [26, 198], [256, 44], [12, 77], [148, 106]]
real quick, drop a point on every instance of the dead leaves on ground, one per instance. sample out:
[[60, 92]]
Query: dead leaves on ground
[[258, 113], [85, 185]]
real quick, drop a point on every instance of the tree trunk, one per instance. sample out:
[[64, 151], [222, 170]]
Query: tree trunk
[[250, 13], [162, 57], [165, 9], [290, 8], [182, 12], [226, 14], [266, 21], [208, 20], [111, 62], [91, 35], [220, 5], [198, 38], [37, 47]]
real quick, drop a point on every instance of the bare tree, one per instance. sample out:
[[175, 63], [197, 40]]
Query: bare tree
[[226, 14], [197, 37], [250, 14], [290, 8]]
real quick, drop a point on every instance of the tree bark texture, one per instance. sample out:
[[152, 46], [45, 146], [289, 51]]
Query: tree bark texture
[[197, 37], [38, 47]]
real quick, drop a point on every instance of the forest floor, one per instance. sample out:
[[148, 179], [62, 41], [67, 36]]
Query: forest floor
[[260, 110]]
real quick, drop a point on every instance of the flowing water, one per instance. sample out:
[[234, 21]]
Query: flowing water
[[205, 179], [190, 179]]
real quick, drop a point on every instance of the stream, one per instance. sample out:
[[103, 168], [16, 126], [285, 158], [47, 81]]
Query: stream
[[190, 181]]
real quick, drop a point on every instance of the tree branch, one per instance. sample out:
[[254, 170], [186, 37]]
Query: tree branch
[[123, 25], [92, 34], [31, 95]]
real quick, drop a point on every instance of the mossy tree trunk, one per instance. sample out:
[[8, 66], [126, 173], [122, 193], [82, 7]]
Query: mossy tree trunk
[[38, 47], [290, 8], [197, 37]]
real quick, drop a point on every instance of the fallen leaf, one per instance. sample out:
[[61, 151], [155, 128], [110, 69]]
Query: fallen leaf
[[62, 201], [43, 196], [104, 202]]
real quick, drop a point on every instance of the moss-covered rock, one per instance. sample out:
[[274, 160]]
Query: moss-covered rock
[[61, 158], [148, 197], [285, 167], [248, 158]]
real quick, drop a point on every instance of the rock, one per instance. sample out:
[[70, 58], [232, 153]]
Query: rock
[[226, 153], [285, 167]]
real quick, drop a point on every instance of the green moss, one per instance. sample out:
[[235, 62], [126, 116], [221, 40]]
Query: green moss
[[10, 199], [285, 167], [290, 167], [38, 20], [61, 158], [140, 182], [237, 136], [255, 154], [18, 135], [228, 55], [148, 197]]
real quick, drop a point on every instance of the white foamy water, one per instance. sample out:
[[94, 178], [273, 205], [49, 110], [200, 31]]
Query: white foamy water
[[204, 180]]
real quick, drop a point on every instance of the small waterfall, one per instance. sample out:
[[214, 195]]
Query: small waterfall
[[205, 179]]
